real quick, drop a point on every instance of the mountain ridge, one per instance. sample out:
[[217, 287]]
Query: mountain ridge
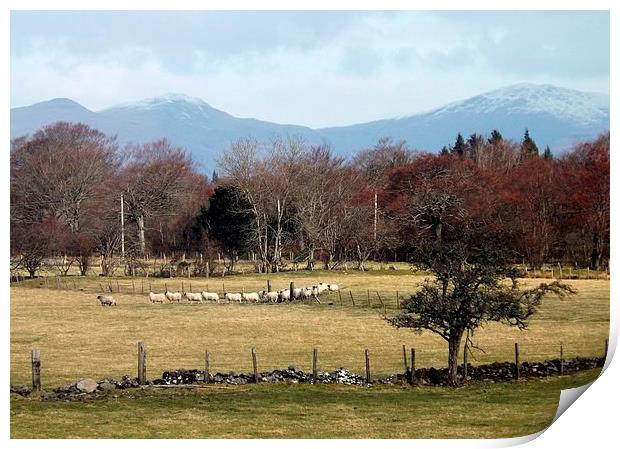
[[555, 116]]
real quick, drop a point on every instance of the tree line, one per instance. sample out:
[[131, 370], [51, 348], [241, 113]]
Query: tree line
[[290, 197]]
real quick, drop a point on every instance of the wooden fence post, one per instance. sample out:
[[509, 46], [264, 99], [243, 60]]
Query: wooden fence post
[[45, 280], [397, 300], [405, 359], [190, 287], [413, 365], [268, 285], [118, 286], [101, 287], [182, 287], [291, 288], [339, 296], [254, 365], [36, 369], [166, 286], [315, 356], [141, 363], [367, 357], [561, 359], [351, 294], [207, 362], [517, 365], [57, 282]]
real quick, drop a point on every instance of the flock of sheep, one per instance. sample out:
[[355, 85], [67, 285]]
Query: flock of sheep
[[262, 296]]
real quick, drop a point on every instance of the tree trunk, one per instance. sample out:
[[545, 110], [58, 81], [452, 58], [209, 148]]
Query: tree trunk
[[454, 343], [140, 222], [310, 265]]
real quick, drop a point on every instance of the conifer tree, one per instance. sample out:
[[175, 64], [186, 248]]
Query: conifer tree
[[528, 146]]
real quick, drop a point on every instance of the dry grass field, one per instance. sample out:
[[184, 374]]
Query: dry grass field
[[78, 338]]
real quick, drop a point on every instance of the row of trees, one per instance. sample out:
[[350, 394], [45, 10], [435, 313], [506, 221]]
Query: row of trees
[[66, 186], [286, 197]]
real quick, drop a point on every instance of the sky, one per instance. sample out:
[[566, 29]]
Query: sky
[[308, 68]]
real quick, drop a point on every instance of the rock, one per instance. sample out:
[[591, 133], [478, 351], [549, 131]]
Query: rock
[[21, 390], [106, 385], [50, 396], [87, 385]]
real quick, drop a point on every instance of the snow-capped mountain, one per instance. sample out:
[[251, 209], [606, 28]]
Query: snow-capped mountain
[[555, 116]]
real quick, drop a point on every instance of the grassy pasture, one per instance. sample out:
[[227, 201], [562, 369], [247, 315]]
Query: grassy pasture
[[78, 338], [478, 410]]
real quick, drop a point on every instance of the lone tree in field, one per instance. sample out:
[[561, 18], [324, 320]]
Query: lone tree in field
[[459, 238]]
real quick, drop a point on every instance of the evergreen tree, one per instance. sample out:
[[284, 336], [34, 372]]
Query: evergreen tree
[[445, 151], [547, 153], [459, 146], [215, 177], [528, 146], [229, 219], [496, 137]]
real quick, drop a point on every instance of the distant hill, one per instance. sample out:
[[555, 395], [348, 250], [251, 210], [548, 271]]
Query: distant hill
[[555, 116]]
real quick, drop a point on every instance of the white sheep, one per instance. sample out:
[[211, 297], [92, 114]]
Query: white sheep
[[332, 287], [271, 296], [296, 293], [250, 297], [157, 297], [210, 296], [322, 287], [233, 297], [173, 296], [106, 300], [193, 297], [285, 294], [306, 293]]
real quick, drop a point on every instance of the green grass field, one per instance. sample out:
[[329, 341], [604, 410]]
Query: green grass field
[[79, 339], [478, 410]]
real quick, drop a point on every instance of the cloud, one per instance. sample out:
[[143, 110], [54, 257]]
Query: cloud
[[317, 69]]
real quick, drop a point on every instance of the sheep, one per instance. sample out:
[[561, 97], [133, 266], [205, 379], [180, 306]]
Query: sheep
[[193, 297], [322, 287], [332, 287], [285, 295], [250, 297], [315, 291], [173, 296], [271, 296], [296, 293], [157, 297], [233, 297], [210, 296], [106, 300], [306, 293]]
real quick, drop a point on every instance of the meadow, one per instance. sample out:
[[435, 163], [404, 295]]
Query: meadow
[[78, 338]]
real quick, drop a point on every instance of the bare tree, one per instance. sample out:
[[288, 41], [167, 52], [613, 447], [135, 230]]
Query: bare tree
[[157, 176], [57, 172]]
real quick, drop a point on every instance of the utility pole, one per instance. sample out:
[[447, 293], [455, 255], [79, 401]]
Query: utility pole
[[375, 222], [122, 229]]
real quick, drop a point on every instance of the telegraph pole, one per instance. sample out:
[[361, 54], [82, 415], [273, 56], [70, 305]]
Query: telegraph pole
[[122, 229], [375, 220]]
